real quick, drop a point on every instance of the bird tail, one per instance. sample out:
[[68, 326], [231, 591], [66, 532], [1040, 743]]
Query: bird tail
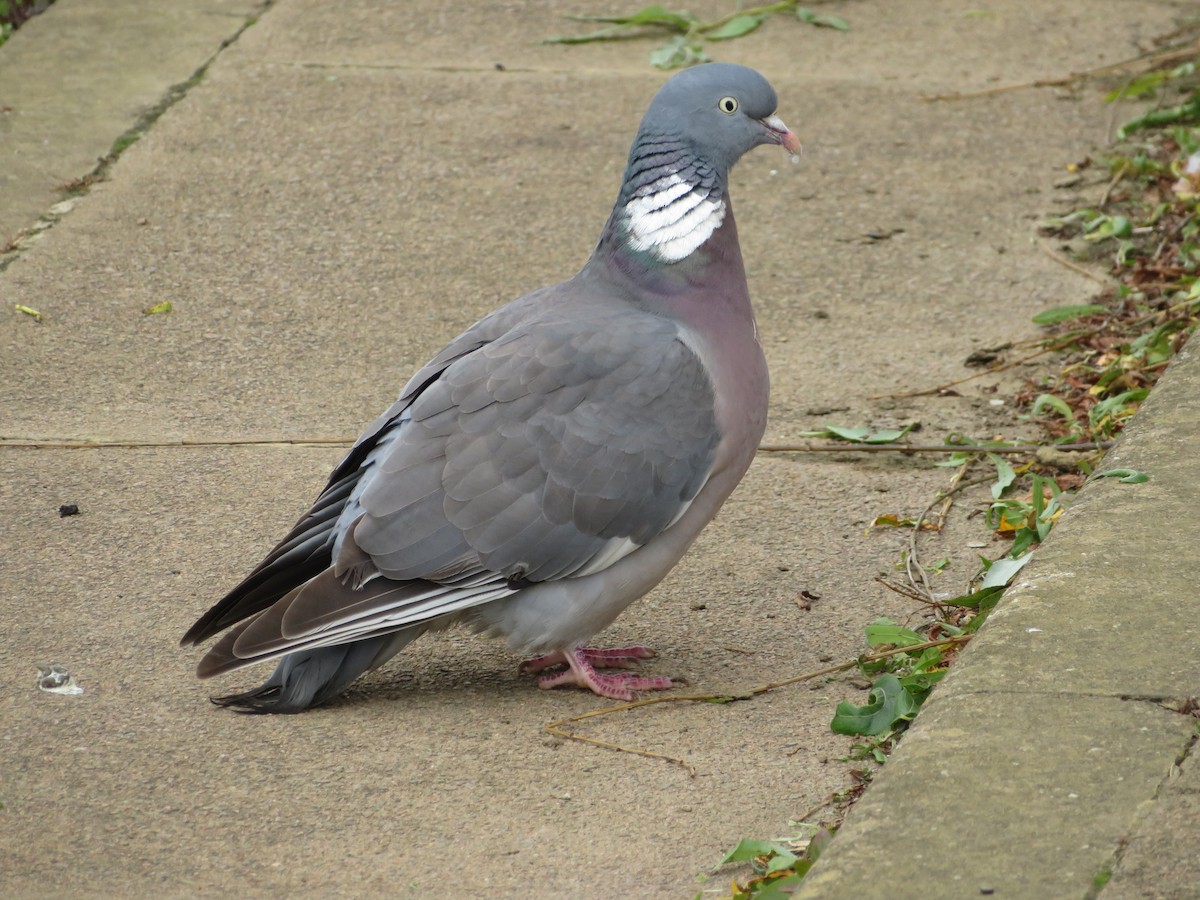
[[308, 678]]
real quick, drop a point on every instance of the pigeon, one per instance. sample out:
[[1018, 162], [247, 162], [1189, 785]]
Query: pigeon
[[555, 461]]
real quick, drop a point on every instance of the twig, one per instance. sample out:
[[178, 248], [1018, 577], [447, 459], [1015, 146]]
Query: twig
[[72, 444], [1049, 348], [841, 667], [912, 563], [80, 444], [811, 811], [766, 10], [1004, 88], [904, 591], [924, 448], [596, 742], [1158, 58], [1077, 269], [558, 727]]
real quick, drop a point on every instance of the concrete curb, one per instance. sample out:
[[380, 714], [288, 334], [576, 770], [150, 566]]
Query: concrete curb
[[1064, 735]]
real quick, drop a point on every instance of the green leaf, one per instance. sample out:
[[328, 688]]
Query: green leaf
[[1067, 313], [919, 684], [1005, 475], [930, 659], [983, 601], [1125, 476], [847, 434], [1117, 407], [889, 435], [821, 20], [1145, 83], [736, 27], [887, 704], [1003, 570], [650, 15], [1057, 404], [604, 34], [891, 520], [886, 632], [1155, 346], [749, 848], [976, 598], [1023, 540], [954, 460], [678, 53], [783, 888], [779, 862], [861, 435], [1156, 118], [935, 567]]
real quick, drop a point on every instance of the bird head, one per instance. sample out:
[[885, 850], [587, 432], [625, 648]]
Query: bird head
[[721, 111]]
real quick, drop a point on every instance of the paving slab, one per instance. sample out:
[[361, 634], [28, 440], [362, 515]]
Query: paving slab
[[346, 187], [1159, 858], [71, 84]]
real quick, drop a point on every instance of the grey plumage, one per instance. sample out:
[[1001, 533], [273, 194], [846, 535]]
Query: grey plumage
[[555, 461]]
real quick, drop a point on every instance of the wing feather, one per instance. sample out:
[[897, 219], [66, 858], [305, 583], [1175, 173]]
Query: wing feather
[[549, 441], [561, 441]]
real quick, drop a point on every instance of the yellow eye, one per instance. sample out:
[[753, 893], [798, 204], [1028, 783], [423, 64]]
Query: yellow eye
[[727, 105]]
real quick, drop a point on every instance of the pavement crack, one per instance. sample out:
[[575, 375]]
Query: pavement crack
[[1113, 864], [81, 186], [1187, 706]]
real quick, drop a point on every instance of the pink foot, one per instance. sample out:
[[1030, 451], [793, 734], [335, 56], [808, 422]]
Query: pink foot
[[582, 663], [600, 658]]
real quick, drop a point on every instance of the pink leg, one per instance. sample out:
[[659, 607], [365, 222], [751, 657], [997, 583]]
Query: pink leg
[[582, 663], [601, 658]]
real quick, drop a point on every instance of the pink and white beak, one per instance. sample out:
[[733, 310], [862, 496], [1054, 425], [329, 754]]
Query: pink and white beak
[[778, 133]]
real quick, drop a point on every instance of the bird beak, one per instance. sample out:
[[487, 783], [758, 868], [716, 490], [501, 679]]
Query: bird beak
[[777, 133]]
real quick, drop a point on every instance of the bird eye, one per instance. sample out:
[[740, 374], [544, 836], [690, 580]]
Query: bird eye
[[727, 105]]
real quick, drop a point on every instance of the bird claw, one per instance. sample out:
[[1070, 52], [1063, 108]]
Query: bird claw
[[599, 657], [582, 663]]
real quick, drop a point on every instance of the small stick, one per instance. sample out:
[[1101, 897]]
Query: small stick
[[828, 801], [904, 591], [1049, 348], [1077, 269], [70, 444], [1158, 58], [596, 742], [912, 563], [73, 444], [924, 448], [558, 727]]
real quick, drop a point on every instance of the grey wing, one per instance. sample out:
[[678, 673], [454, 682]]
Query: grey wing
[[313, 542], [551, 452]]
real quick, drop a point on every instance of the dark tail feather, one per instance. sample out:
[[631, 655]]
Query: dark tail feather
[[303, 552], [308, 678]]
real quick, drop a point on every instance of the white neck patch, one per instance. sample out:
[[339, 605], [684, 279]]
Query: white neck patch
[[672, 220]]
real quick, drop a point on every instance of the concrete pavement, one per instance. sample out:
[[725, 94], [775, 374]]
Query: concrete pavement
[[347, 185]]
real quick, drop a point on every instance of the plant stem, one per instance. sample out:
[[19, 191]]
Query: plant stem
[[558, 728], [767, 10], [851, 447]]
